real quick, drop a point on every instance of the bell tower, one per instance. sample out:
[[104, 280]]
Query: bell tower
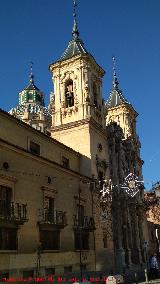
[[78, 115], [119, 110], [77, 80]]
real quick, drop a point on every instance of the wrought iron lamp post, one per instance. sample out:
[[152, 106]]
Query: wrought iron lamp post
[[80, 235], [39, 251], [92, 188]]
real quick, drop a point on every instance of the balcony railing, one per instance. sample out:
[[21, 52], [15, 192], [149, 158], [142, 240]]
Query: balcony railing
[[85, 223], [53, 217], [13, 211]]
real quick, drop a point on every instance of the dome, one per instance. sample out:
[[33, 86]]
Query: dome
[[31, 108]]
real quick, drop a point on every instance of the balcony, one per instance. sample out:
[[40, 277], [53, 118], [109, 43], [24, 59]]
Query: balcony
[[85, 223], [55, 218], [13, 211]]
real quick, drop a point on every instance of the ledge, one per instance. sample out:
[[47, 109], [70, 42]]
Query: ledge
[[7, 177], [8, 251], [50, 251]]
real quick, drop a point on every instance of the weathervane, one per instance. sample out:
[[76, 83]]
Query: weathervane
[[114, 65], [31, 76], [115, 81], [74, 8], [75, 32]]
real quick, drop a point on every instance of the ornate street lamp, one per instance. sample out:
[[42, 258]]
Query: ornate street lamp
[[39, 251], [131, 184], [130, 187]]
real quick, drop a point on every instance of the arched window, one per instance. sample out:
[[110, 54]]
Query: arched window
[[95, 94], [69, 96]]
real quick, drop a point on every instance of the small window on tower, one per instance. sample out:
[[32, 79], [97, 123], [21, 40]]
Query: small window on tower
[[30, 97], [34, 148], [65, 162], [95, 95], [69, 96]]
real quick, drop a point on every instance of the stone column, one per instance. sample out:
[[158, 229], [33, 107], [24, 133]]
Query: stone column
[[140, 222], [119, 251], [136, 255], [127, 235], [120, 165], [114, 163], [138, 239]]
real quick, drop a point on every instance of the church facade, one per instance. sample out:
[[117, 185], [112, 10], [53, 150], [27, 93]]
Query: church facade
[[66, 205]]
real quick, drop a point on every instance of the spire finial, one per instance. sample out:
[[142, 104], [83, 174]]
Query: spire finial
[[115, 80], [31, 76], [75, 32], [114, 65]]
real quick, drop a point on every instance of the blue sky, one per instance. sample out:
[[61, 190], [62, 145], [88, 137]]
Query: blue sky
[[39, 31]]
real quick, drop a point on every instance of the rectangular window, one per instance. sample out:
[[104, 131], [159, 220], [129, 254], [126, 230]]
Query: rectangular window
[[65, 162], [50, 240], [5, 201], [49, 209], [80, 215], [49, 203], [81, 240], [50, 271], [4, 275], [28, 273], [34, 148], [8, 239], [67, 269]]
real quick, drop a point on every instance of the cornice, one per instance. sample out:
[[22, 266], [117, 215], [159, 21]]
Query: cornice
[[49, 188], [35, 131], [25, 152], [89, 57], [75, 124], [8, 178], [123, 106], [70, 125]]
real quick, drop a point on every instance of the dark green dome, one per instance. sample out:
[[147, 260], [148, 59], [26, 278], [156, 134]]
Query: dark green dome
[[31, 94]]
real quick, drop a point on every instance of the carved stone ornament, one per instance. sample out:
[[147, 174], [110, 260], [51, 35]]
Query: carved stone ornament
[[86, 86], [99, 146], [68, 111], [51, 105], [63, 104], [101, 163], [76, 100], [87, 99]]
